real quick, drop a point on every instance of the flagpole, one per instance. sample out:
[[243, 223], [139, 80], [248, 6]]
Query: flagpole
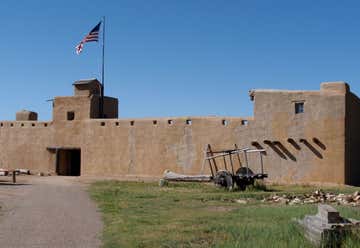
[[103, 70]]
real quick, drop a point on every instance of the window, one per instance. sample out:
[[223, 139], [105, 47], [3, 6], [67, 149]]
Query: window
[[225, 122], [132, 123], [154, 122], [188, 122], [170, 122], [299, 107], [244, 122], [70, 115]]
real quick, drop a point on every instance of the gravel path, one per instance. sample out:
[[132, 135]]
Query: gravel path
[[48, 212]]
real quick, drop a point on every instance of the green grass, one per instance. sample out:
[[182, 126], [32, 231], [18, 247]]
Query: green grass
[[201, 215]]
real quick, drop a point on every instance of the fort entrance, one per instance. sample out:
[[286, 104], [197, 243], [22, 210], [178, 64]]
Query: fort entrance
[[67, 160]]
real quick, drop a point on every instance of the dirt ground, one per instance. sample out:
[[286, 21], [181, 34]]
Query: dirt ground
[[48, 212]]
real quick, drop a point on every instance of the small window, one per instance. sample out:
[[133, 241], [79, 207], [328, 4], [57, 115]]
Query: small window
[[33, 124], [70, 115], [299, 107], [102, 124], [1, 124], [45, 124], [22, 124], [154, 122], [170, 122], [117, 123], [225, 122], [244, 122], [132, 123], [188, 122], [11, 125]]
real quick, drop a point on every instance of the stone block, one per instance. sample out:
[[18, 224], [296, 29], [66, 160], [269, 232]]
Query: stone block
[[328, 214], [327, 228]]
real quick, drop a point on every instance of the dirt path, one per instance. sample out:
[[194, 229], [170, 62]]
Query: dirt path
[[48, 212]]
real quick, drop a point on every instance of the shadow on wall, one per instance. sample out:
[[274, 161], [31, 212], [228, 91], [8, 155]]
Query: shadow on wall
[[275, 149], [258, 146], [284, 153], [319, 143], [352, 144], [312, 148], [285, 150], [294, 144]]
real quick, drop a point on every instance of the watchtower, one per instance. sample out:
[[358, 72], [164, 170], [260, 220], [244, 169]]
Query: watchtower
[[85, 104]]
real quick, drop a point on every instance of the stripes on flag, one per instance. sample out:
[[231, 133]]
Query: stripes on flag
[[93, 35]]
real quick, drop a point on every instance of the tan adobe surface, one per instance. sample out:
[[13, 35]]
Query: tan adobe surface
[[318, 145]]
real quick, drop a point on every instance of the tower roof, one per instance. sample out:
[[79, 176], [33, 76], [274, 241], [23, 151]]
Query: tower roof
[[87, 87]]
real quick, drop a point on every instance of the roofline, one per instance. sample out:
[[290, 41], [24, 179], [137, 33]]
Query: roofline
[[86, 81]]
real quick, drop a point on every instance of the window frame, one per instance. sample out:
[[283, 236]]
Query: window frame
[[70, 115], [299, 107]]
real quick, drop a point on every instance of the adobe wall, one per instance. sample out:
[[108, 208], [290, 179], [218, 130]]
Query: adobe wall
[[316, 152], [23, 145], [301, 148], [83, 106], [144, 148], [305, 147]]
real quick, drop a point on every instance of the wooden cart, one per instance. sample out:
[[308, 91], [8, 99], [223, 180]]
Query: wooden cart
[[229, 176]]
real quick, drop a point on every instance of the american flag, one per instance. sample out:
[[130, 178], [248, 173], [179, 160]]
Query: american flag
[[93, 35]]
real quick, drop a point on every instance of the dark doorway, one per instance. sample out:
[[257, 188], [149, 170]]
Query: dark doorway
[[68, 162]]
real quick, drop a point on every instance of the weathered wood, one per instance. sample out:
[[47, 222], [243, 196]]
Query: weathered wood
[[172, 176], [14, 177], [213, 160], [3, 173], [23, 171]]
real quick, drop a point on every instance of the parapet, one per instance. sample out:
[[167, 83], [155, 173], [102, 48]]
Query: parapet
[[339, 87], [26, 115]]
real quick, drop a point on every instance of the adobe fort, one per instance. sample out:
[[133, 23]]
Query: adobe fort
[[309, 136]]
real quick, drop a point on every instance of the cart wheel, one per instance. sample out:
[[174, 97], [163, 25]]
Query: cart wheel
[[242, 171], [242, 186], [224, 179], [251, 182]]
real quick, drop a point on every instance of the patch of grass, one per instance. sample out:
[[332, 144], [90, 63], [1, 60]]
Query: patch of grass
[[201, 215], [259, 185]]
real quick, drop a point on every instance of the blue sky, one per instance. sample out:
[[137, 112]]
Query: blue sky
[[176, 57]]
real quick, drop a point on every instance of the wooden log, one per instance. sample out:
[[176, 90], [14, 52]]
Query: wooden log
[[4, 172], [14, 177], [23, 171], [172, 176]]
